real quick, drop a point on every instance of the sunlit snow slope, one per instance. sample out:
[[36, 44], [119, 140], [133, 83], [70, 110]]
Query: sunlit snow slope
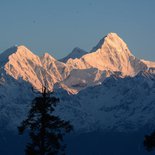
[[114, 89], [80, 70]]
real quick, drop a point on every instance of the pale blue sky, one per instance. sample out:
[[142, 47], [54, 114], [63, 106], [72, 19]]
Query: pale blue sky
[[57, 26]]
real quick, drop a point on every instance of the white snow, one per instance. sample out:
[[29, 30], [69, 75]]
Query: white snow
[[150, 64], [111, 55], [114, 89]]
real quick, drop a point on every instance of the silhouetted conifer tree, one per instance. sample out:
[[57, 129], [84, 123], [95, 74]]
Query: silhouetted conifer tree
[[149, 141], [46, 130]]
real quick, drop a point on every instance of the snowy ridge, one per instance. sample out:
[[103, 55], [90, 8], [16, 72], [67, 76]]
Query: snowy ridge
[[122, 104], [76, 53], [80, 79], [106, 89], [110, 55], [119, 104], [22, 63], [149, 64], [4, 57]]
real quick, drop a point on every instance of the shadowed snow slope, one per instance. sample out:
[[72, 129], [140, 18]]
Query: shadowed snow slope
[[119, 104], [76, 53], [114, 90]]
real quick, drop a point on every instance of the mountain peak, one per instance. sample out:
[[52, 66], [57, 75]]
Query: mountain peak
[[114, 37], [18, 50], [111, 40], [23, 50], [111, 53], [76, 53], [5, 55], [17, 55], [77, 49], [113, 34], [47, 58]]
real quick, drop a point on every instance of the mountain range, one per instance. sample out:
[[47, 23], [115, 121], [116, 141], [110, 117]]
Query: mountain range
[[107, 88]]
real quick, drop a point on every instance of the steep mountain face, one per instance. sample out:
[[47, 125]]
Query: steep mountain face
[[80, 79], [21, 62], [114, 90], [76, 53], [111, 53], [15, 99], [110, 56], [54, 68], [118, 104]]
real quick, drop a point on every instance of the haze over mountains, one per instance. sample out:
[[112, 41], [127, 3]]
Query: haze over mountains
[[114, 88]]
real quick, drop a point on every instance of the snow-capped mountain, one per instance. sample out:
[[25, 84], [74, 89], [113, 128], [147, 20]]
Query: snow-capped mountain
[[15, 99], [20, 62], [110, 56], [119, 104], [76, 53], [122, 104], [114, 89], [111, 53]]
